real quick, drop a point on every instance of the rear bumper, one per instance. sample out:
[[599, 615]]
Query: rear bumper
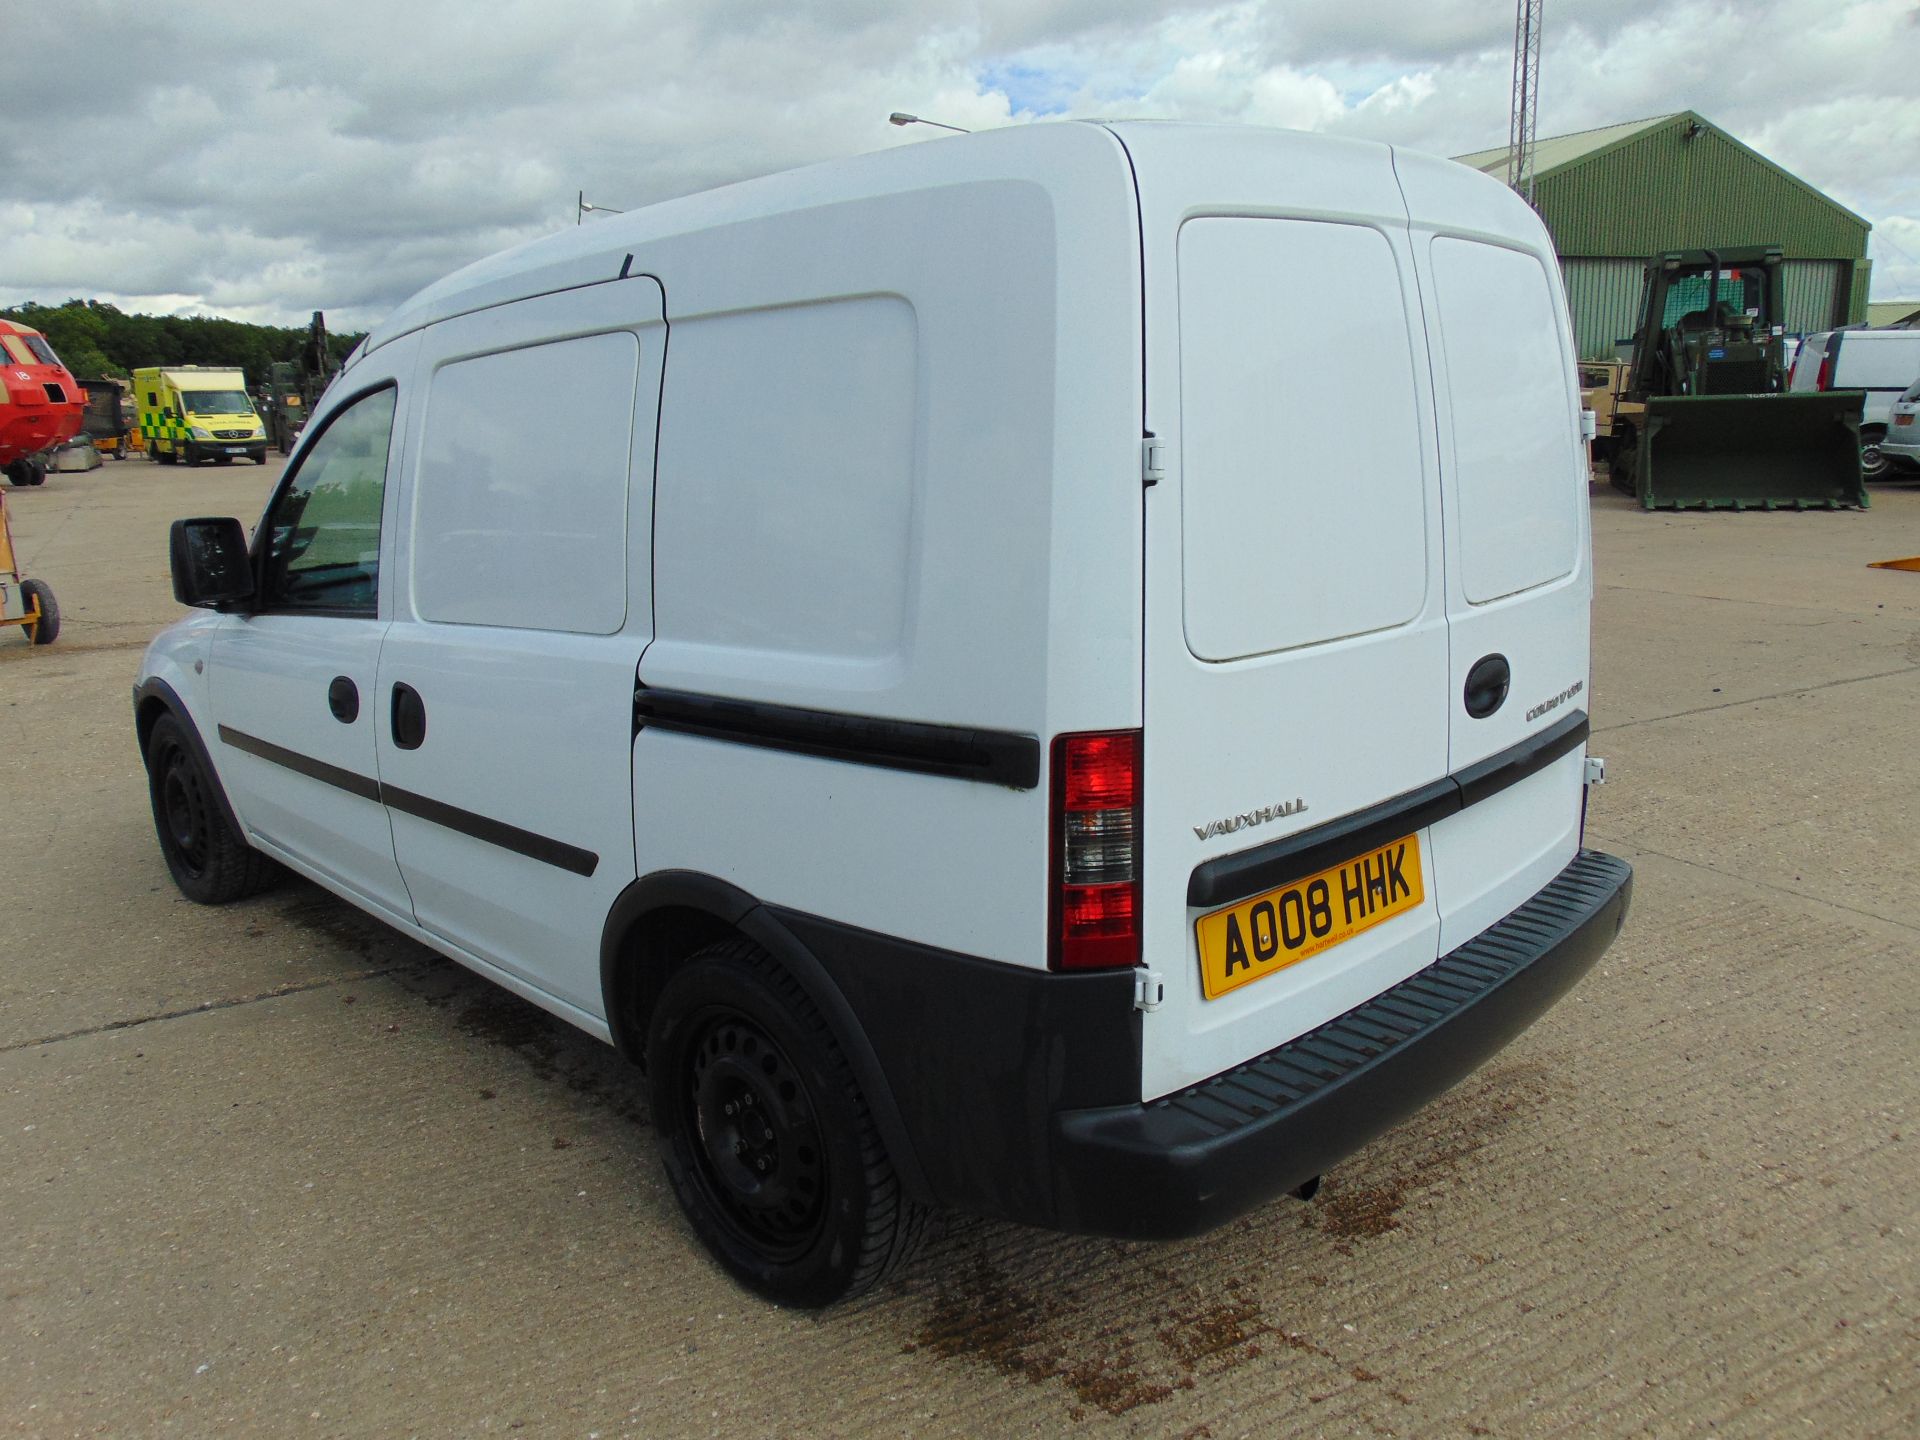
[[1189, 1162]]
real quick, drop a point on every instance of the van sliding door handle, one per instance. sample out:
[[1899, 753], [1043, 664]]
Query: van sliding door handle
[[409, 717]]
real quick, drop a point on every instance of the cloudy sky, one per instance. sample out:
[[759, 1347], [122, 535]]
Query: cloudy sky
[[263, 161]]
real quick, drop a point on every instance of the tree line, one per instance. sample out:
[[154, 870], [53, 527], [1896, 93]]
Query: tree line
[[94, 339]]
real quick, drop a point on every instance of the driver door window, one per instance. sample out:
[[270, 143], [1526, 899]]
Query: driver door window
[[323, 532]]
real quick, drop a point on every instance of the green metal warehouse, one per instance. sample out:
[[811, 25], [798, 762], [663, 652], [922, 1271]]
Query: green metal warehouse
[[1614, 196]]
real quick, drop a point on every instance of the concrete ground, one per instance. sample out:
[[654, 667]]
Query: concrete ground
[[271, 1170]]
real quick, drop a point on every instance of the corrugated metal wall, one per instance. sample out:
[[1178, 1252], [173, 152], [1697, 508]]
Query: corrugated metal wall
[[1660, 191], [1813, 291], [1603, 295]]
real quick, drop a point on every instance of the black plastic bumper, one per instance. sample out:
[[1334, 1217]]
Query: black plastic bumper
[[1193, 1160]]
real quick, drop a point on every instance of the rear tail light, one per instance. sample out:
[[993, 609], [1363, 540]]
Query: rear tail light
[[1824, 380], [1096, 851]]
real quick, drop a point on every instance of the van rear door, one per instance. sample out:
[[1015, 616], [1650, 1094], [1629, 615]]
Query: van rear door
[[1519, 588], [1296, 664]]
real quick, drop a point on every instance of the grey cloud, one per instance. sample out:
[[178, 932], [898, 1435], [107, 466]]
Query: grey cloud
[[339, 157]]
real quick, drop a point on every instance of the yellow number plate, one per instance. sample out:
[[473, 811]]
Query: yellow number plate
[[1266, 934]]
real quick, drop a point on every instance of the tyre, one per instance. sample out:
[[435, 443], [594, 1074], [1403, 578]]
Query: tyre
[[766, 1137], [18, 472], [167, 457], [1874, 465], [261, 458], [206, 856], [36, 472], [47, 628]]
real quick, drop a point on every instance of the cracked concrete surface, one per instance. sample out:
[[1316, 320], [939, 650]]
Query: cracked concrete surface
[[273, 1170]]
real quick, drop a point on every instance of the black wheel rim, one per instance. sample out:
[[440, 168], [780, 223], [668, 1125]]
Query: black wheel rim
[[185, 818], [755, 1136]]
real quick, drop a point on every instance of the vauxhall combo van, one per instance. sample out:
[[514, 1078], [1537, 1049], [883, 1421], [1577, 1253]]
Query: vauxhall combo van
[[1042, 673]]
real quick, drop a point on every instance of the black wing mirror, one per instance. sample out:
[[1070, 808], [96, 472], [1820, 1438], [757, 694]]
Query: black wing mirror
[[211, 567]]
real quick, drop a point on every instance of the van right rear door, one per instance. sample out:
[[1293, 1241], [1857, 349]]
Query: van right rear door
[[1296, 656]]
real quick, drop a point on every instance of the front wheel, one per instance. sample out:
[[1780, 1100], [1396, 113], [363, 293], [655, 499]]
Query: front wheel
[[208, 859], [1874, 464], [768, 1142]]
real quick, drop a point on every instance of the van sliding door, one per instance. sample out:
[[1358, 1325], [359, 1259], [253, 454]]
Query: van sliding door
[[505, 704]]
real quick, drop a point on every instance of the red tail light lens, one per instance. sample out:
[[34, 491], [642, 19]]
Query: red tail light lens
[[1824, 380], [1096, 851]]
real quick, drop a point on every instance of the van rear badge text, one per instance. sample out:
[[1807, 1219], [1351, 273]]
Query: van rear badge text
[[1250, 817], [1545, 706]]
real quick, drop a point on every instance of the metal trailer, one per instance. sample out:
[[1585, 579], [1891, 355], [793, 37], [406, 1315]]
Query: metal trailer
[[109, 418], [26, 603]]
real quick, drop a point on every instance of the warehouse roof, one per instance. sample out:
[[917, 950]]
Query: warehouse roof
[[1557, 150], [1887, 314]]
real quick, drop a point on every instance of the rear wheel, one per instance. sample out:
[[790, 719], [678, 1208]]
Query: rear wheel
[[207, 857], [44, 630], [19, 473], [1874, 464], [767, 1139]]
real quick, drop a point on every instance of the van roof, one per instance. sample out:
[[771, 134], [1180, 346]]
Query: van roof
[[1057, 155]]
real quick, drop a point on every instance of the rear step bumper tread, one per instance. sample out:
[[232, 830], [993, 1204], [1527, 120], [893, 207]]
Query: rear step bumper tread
[[1181, 1165]]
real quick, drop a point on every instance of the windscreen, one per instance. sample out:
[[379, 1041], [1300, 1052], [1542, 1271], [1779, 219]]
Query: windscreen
[[215, 402], [42, 351], [1742, 293]]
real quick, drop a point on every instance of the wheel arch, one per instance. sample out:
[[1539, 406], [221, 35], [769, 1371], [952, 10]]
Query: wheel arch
[[155, 698], [663, 918]]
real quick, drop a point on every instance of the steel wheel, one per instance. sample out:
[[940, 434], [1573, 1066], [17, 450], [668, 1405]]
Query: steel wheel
[[1874, 464], [183, 808], [766, 1136], [205, 854], [761, 1160]]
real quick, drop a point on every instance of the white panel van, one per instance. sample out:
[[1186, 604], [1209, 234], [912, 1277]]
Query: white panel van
[[1046, 674], [1879, 363]]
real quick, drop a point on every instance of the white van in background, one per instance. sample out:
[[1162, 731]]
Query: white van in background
[[1049, 677], [1880, 362]]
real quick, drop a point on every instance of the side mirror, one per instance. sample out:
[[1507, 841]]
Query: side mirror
[[167, 413], [211, 567]]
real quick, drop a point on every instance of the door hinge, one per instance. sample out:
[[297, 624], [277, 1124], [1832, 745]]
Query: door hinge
[[1149, 989], [1596, 770], [1153, 461]]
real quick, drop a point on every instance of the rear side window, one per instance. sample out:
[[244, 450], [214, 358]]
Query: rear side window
[[1304, 498], [520, 515], [1516, 475], [323, 532]]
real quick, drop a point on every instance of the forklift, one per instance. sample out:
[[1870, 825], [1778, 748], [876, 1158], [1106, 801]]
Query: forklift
[[1704, 419]]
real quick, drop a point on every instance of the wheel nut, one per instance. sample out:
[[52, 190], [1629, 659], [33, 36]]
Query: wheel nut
[[761, 1164], [728, 1108]]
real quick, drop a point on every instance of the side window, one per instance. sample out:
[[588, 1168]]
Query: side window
[[524, 524], [323, 532]]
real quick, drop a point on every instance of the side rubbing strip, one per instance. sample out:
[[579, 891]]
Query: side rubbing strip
[[994, 756], [466, 822], [365, 786], [494, 832], [1293, 857]]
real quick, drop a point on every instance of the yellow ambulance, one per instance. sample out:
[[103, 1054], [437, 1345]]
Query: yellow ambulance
[[197, 413]]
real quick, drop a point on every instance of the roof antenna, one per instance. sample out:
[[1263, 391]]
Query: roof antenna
[[900, 117]]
